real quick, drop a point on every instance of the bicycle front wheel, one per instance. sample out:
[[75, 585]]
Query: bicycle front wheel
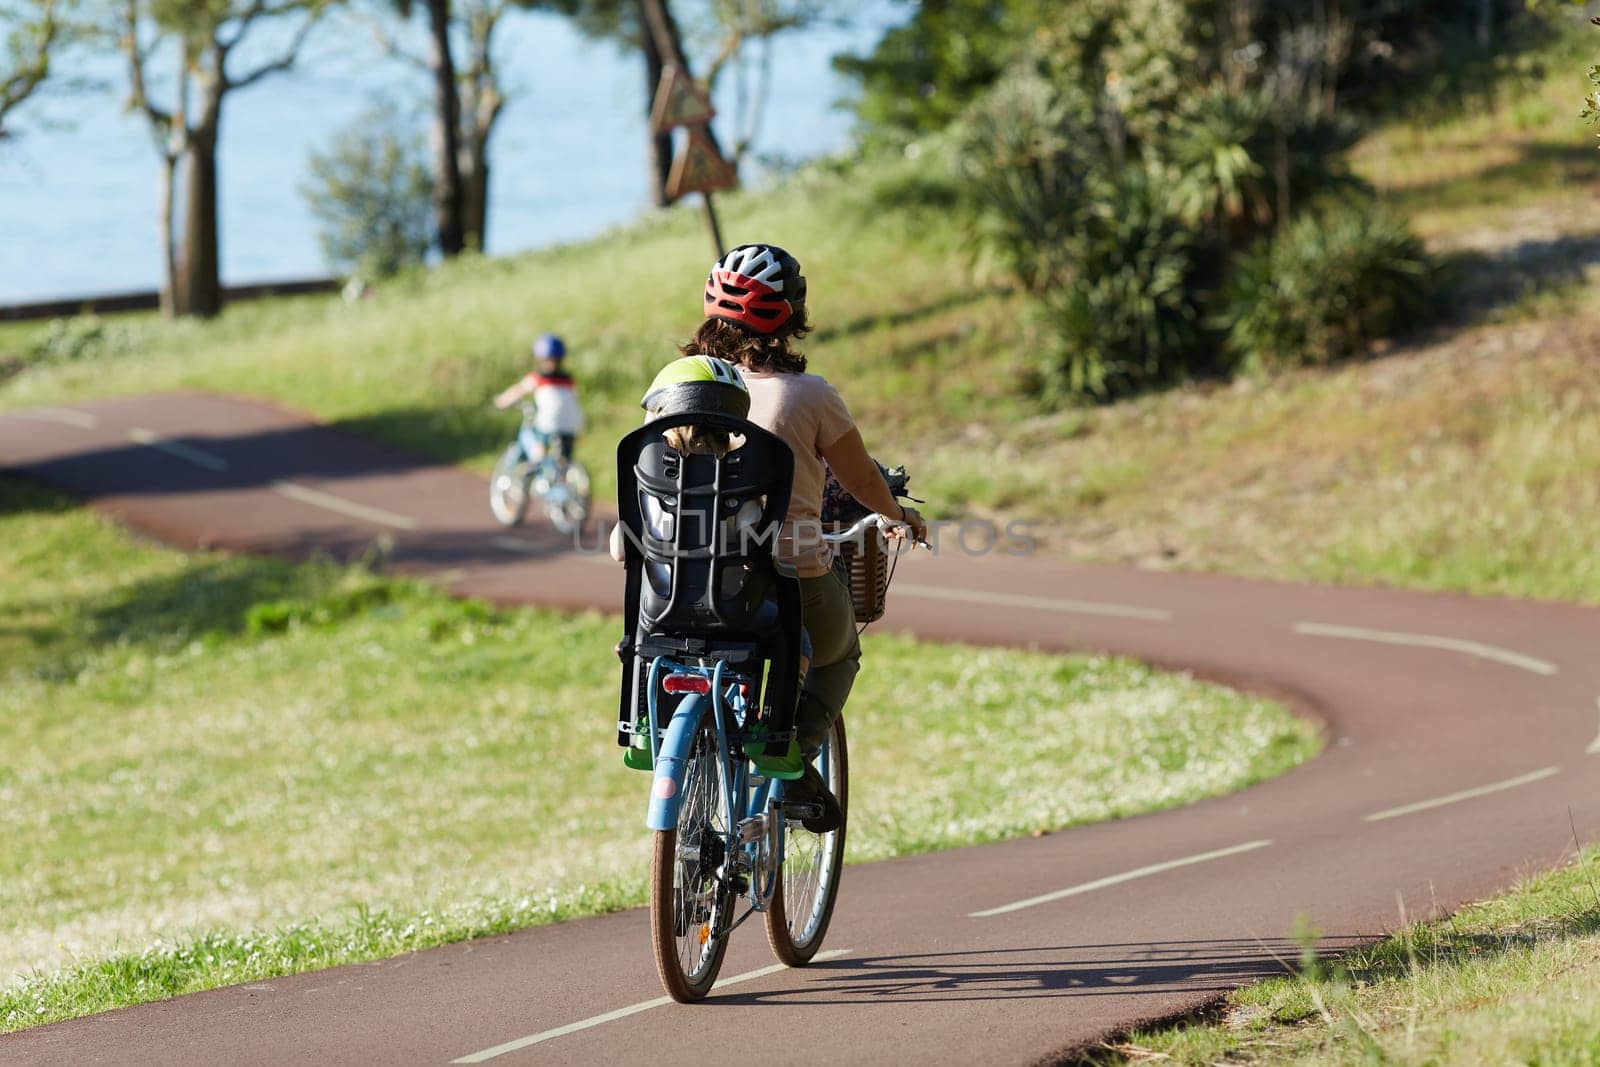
[[567, 501], [684, 887], [802, 902]]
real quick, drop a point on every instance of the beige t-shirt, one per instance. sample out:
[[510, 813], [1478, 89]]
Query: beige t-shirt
[[809, 415]]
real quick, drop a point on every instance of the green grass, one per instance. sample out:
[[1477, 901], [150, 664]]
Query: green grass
[[1515, 979], [217, 768]]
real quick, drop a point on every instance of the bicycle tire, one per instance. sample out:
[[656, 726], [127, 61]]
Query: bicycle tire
[[508, 489], [811, 888], [675, 925], [570, 516]]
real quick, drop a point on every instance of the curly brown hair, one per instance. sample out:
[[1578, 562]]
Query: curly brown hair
[[768, 353]]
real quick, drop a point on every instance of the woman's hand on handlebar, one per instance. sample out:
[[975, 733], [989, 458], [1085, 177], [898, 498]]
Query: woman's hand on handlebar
[[915, 525]]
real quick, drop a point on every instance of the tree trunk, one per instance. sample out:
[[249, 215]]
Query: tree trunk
[[169, 257], [660, 143], [475, 194], [198, 290], [1281, 175], [446, 133]]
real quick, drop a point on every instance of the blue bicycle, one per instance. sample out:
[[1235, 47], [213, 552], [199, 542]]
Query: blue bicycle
[[723, 831], [555, 477]]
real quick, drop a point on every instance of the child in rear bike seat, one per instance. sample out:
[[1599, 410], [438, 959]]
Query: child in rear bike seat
[[685, 384], [702, 378], [558, 417]]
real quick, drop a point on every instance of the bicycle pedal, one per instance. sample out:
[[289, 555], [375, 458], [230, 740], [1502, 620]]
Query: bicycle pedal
[[801, 810]]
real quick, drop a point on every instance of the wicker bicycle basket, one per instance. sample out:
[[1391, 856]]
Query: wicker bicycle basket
[[864, 565]]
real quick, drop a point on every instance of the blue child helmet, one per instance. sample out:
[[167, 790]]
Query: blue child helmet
[[549, 346]]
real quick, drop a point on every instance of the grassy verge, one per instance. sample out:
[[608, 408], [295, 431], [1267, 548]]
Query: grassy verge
[[218, 768], [1515, 979]]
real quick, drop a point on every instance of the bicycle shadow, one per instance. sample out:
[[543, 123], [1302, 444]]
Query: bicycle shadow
[[1170, 967]]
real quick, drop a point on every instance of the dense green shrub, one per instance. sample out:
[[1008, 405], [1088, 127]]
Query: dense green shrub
[[1034, 158], [1130, 314], [1120, 166], [372, 194], [1331, 283], [1240, 158]]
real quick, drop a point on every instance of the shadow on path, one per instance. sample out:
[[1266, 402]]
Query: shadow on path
[[1160, 967]]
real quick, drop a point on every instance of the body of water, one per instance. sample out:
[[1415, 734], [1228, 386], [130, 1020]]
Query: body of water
[[78, 186]]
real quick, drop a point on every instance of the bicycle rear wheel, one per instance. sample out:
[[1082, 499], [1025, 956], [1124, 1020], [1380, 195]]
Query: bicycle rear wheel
[[684, 888], [802, 902], [508, 487]]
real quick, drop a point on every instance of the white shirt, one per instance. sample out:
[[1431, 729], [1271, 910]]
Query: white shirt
[[557, 403]]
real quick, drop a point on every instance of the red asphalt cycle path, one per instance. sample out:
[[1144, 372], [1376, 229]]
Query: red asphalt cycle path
[[1462, 753]]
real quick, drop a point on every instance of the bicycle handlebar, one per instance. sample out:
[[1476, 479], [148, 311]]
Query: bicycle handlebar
[[869, 522]]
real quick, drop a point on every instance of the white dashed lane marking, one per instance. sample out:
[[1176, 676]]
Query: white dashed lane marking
[[188, 453], [328, 502], [1444, 644], [1465, 794], [623, 1013], [66, 416], [1037, 603], [1594, 746], [1118, 879]]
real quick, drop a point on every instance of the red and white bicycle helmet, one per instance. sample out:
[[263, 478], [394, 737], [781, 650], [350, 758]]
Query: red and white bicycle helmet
[[755, 286]]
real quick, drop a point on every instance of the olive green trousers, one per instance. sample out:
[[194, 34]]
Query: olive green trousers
[[830, 621]]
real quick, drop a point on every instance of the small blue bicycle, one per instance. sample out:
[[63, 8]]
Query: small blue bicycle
[[558, 479]]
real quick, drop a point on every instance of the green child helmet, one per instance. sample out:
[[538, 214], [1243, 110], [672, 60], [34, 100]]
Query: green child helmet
[[693, 385]]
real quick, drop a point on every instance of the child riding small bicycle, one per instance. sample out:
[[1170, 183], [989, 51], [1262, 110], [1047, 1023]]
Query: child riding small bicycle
[[558, 417]]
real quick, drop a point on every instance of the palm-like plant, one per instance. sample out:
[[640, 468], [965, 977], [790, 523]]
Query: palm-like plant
[[1241, 159]]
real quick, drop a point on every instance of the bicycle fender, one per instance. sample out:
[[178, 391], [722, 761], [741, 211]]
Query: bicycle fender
[[666, 787]]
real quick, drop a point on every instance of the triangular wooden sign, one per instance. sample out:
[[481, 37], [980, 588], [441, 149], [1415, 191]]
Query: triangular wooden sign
[[679, 101], [699, 167]]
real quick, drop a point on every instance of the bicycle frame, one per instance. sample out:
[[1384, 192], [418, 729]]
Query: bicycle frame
[[749, 802], [529, 440]]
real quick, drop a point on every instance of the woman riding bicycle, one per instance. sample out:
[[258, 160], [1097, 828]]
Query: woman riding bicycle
[[755, 307]]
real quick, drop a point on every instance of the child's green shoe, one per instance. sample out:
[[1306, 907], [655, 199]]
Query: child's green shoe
[[789, 766], [637, 758]]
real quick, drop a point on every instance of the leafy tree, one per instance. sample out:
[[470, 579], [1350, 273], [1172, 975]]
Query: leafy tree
[[372, 192], [468, 98], [923, 74], [735, 27], [198, 41], [29, 32]]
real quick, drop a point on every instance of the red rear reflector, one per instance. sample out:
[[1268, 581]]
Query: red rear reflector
[[686, 683]]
